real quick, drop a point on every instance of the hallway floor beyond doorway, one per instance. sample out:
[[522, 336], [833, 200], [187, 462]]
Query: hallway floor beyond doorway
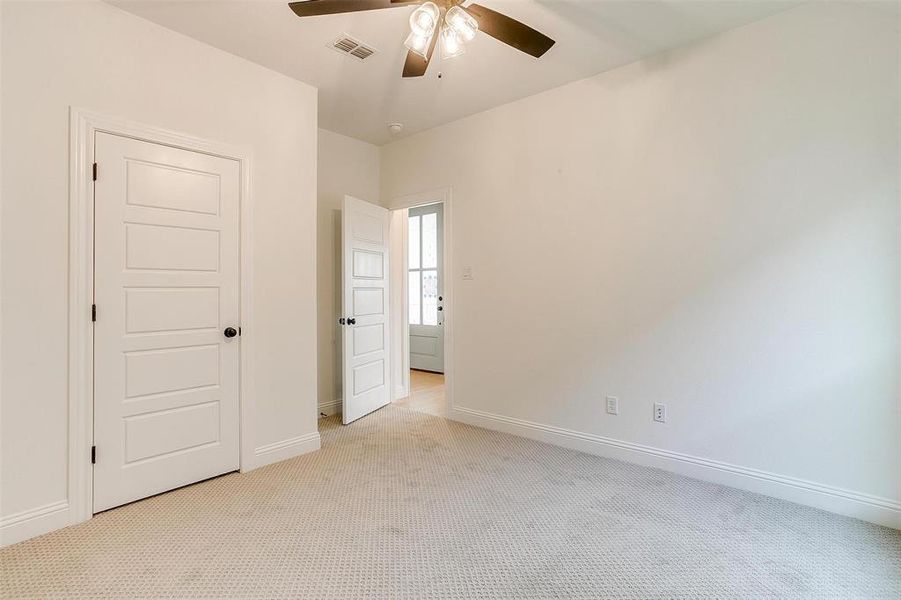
[[426, 393]]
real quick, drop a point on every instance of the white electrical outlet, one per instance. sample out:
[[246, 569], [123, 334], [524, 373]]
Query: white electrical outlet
[[612, 405], [660, 412]]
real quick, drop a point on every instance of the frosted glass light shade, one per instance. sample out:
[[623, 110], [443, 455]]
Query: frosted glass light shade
[[424, 19], [462, 22], [451, 45], [418, 44]]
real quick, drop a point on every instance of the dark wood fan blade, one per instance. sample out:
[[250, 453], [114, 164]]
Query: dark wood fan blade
[[415, 65], [314, 8], [510, 31]]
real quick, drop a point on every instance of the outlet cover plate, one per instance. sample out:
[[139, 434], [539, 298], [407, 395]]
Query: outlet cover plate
[[660, 412]]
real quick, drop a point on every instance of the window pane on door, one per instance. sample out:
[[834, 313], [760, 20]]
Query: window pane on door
[[413, 243], [430, 241], [430, 297], [415, 293]]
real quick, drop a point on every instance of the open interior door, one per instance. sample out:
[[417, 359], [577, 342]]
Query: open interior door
[[364, 278]]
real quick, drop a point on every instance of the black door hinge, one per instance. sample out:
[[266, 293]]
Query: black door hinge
[[93, 455], [93, 312], [94, 172]]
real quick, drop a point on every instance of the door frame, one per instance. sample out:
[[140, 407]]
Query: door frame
[[401, 389], [83, 125]]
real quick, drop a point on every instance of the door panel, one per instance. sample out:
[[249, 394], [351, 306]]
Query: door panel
[[368, 265], [163, 186], [186, 427], [368, 301], [156, 310], [426, 287], [365, 308], [165, 286], [368, 338], [184, 368], [165, 248]]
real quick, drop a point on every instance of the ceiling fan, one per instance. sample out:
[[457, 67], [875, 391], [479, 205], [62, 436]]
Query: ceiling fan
[[445, 19]]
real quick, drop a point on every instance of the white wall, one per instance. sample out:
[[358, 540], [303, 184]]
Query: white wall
[[716, 228], [347, 166], [95, 56]]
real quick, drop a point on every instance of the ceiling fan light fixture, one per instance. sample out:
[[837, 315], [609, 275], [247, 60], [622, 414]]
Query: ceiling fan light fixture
[[418, 44], [431, 19], [462, 22], [424, 19], [451, 44]]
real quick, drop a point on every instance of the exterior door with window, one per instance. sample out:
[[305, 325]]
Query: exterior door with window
[[426, 287]]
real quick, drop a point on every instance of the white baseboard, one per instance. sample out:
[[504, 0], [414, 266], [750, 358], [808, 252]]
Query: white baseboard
[[283, 450], [875, 509], [34, 522], [330, 408], [56, 515]]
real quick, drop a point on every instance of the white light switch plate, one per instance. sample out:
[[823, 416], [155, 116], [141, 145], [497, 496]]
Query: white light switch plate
[[467, 273], [612, 405]]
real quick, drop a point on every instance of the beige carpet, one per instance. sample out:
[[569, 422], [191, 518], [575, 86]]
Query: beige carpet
[[405, 505]]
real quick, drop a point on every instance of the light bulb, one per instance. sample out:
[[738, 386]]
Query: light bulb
[[418, 44], [451, 45], [462, 22], [424, 19]]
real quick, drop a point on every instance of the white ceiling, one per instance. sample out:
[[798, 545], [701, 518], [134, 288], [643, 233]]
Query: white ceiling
[[359, 99]]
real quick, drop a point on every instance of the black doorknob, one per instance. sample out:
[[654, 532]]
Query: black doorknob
[[440, 308], [230, 332], [351, 321]]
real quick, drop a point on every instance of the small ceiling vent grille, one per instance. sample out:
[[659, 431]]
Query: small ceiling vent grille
[[351, 47], [362, 52]]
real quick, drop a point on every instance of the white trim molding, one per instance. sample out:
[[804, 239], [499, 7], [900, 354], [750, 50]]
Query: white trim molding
[[875, 509], [402, 391], [330, 408], [283, 450], [35, 521]]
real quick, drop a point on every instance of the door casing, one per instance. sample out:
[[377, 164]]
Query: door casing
[[84, 124]]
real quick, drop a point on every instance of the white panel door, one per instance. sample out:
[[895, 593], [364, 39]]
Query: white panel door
[[425, 286], [166, 288], [365, 307]]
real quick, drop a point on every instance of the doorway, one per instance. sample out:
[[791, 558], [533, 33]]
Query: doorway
[[426, 393], [421, 302]]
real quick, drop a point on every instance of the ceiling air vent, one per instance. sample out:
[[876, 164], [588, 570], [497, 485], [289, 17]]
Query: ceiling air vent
[[351, 47]]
